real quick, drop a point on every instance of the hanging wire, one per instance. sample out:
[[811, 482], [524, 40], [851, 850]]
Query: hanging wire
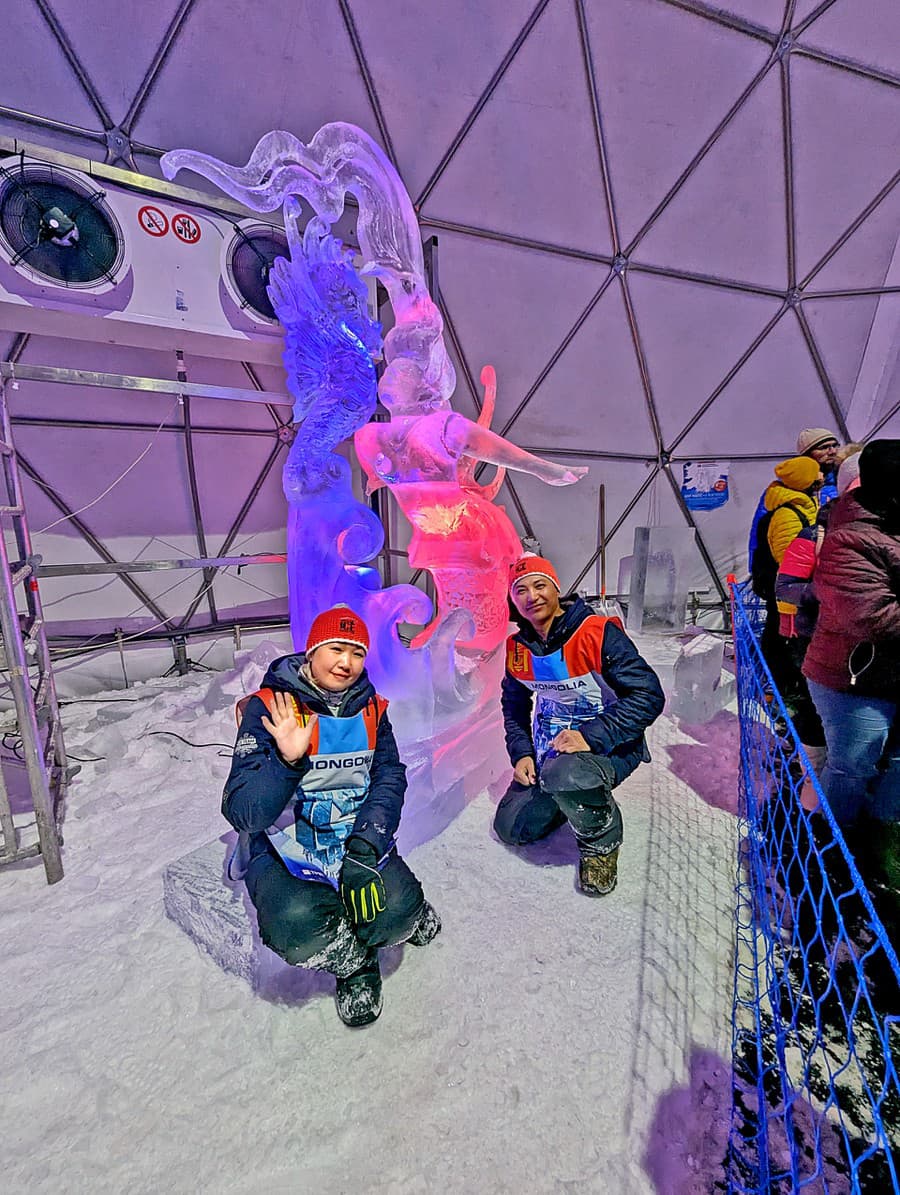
[[72, 514], [90, 646]]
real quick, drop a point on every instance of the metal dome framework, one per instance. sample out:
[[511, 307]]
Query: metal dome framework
[[622, 260]]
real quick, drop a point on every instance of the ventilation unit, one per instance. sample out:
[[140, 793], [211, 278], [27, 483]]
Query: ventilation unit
[[247, 260], [113, 265]]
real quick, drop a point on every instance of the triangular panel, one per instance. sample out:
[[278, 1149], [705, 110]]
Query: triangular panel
[[656, 120], [841, 328], [868, 33], [227, 468], [863, 260], [846, 133], [80, 463], [530, 164], [566, 519], [115, 44], [277, 68], [36, 76], [592, 398], [729, 217], [887, 405], [512, 308], [775, 394], [409, 47], [692, 335]]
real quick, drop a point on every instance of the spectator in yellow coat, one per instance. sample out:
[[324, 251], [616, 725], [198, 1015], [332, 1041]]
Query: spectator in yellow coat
[[791, 504]]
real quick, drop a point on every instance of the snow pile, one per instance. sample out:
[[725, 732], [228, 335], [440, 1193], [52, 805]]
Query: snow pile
[[529, 1048]]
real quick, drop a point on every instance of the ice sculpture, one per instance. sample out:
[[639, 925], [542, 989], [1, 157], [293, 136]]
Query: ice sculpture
[[426, 455], [330, 346]]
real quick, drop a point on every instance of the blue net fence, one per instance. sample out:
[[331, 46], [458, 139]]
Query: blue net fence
[[816, 1028]]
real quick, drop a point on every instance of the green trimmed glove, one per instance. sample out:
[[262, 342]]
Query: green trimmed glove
[[362, 888]]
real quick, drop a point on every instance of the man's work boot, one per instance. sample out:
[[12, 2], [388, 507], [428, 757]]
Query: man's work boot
[[597, 874]]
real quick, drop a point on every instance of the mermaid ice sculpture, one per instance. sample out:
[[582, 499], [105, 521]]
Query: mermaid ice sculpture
[[425, 455]]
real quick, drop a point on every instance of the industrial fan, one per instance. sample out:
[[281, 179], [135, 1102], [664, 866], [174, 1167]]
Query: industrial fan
[[249, 261], [58, 226]]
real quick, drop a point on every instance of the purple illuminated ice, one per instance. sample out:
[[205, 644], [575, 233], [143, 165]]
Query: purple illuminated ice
[[426, 454]]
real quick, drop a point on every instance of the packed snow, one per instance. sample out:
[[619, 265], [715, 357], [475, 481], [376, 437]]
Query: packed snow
[[544, 1042]]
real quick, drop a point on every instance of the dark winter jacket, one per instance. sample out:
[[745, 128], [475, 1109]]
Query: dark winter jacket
[[857, 584], [261, 784], [632, 700]]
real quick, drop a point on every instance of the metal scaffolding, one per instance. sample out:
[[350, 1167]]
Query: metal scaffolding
[[30, 679]]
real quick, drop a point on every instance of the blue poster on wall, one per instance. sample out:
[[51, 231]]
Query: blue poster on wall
[[704, 485]]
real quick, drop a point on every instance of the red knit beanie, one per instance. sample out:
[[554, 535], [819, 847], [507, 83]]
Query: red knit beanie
[[337, 625], [533, 566]]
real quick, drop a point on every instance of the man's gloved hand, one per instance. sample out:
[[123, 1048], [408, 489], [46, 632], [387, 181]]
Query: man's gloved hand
[[362, 888]]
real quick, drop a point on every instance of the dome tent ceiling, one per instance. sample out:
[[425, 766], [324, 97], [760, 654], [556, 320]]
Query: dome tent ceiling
[[671, 225]]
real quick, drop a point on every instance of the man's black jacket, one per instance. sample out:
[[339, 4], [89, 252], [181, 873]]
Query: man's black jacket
[[618, 732]]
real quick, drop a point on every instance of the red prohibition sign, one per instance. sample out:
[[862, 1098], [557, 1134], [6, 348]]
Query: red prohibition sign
[[186, 228], [154, 222]]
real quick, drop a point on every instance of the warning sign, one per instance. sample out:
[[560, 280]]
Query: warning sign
[[154, 222], [186, 228]]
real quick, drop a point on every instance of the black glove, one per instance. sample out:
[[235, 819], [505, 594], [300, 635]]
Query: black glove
[[362, 888]]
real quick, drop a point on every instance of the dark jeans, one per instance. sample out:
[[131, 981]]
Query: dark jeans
[[776, 652], [302, 919], [785, 660], [576, 788], [863, 769]]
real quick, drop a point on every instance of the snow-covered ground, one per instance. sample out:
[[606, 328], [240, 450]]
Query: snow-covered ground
[[543, 1043]]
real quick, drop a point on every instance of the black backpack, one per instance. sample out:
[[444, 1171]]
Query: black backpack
[[763, 566]]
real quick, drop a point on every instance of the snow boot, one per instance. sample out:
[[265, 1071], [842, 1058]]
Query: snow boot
[[427, 927], [358, 996], [597, 874]]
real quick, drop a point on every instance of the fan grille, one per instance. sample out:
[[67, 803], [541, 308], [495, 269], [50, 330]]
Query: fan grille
[[27, 194], [249, 263]]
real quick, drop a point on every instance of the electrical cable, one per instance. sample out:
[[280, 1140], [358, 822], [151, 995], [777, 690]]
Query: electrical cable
[[112, 485], [175, 735]]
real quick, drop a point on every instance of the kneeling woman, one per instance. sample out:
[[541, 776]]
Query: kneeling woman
[[317, 783]]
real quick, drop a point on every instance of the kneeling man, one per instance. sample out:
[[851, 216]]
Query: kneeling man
[[577, 698]]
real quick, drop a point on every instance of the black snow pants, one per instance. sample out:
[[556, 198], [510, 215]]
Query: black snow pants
[[304, 921], [576, 788]]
